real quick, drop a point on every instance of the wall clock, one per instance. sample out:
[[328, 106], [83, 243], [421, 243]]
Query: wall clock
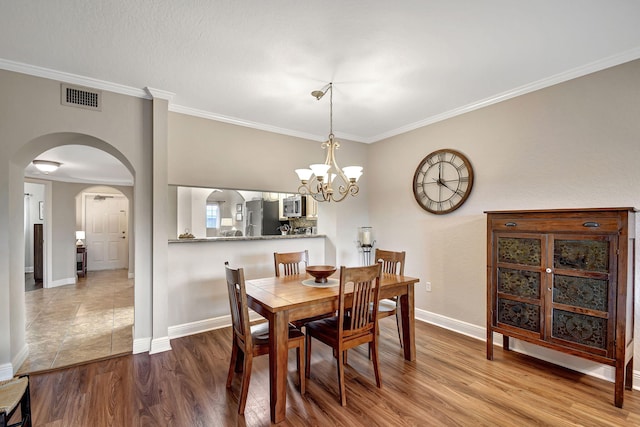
[[443, 181]]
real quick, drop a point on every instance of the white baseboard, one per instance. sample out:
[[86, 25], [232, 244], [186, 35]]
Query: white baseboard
[[205, 325], [20, 357], [62, 282], [158, 345], [6, 371], [141, 345], [575, 363], [131, 275]]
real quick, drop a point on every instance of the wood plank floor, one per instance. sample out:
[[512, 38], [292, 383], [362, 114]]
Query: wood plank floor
[[450, 384]]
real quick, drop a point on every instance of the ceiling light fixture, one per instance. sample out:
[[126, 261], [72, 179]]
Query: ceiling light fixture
[[46, 166], [319, 181]]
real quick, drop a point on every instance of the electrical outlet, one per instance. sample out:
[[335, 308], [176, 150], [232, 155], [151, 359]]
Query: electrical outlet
[[428, 286]]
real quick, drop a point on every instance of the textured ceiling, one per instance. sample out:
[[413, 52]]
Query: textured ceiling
[[395, 65]]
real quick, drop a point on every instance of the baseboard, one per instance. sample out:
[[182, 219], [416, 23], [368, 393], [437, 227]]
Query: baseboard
[[28, 269], [141, 345], [574, 363], [20, 357], [131, 275], [62, 282], [158, 345], [200, 326], [6, 371]]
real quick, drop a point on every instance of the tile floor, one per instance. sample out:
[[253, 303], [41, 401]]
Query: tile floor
[[72, 324]]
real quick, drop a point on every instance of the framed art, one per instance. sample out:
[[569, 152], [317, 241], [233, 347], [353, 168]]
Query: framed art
[[41, 210], [238, 217], [239, 208]]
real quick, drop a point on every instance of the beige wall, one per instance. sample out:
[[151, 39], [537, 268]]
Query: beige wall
[[32, 120], [575, 144]]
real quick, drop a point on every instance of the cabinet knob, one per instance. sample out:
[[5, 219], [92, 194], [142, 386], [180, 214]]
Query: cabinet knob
[[591, 224], [548, 270], [511, 224]]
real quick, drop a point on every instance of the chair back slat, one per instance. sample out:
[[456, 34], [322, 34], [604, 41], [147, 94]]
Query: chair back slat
[[366, 285], [290, 262], [392, 262], [238, 305]]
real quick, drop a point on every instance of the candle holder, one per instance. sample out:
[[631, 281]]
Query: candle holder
[[366, 243]]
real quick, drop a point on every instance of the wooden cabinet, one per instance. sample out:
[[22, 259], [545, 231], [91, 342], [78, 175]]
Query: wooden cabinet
[[564, 280], [81, 261]]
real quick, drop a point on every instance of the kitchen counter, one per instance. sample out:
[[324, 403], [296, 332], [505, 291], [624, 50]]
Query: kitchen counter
[[248, 238]]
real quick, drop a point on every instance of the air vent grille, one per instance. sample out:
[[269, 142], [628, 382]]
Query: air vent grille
[[77, 96]]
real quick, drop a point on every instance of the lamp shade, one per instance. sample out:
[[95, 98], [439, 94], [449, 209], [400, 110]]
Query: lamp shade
[[80, 235]]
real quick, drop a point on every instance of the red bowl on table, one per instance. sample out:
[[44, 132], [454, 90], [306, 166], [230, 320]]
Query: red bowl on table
[[321, 272]]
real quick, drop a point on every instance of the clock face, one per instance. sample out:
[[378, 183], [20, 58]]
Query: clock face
[[443, 181]]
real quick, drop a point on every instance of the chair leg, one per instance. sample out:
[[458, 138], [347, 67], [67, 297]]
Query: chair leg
[[25, 408], [376, 364], [399, 325], [307, 353], [343, 394], [232, 363], [244, 388], [301, 369]]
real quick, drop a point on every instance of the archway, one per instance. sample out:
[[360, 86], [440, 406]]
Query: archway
[[61, 207]]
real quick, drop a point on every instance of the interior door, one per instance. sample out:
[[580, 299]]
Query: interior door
[[106, 232], [38, 252]]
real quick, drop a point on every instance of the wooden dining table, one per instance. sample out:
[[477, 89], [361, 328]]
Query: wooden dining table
[[284, 299]]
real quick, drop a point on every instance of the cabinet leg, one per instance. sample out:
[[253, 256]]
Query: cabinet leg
[[505, 343], [489, 344], [619, 385]]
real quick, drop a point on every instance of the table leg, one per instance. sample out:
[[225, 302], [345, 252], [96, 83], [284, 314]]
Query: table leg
[[407, 309], [278, 357]]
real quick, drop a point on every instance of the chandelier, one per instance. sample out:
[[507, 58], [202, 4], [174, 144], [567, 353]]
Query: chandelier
[[326, 182]]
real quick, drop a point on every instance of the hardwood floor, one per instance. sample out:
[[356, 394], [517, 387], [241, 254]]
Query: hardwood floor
[[450, 384]]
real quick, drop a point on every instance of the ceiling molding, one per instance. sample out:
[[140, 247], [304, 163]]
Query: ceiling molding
[[61, 76], [593, 67], [160, 94], [239, 122]]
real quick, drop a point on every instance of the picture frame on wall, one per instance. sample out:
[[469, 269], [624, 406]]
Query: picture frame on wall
[[41, 210], [239, 208], [238, 217]]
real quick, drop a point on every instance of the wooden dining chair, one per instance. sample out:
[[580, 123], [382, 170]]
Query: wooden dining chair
[[250, 340], [14, 394], [354, 325], [290, 262], [392, 263]]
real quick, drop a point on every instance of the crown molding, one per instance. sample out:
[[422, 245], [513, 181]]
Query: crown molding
[[239, 122], [160, 94], [574, 73], [62, 76]]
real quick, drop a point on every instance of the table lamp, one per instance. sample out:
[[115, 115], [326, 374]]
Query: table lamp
[[80, 235]]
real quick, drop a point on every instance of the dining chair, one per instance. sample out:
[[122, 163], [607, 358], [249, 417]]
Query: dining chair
[[392, 263], [253, 341], [13, 392], [290, 262], [354, 325]]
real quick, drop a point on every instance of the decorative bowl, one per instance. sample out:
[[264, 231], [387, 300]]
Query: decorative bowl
[[321, 272]]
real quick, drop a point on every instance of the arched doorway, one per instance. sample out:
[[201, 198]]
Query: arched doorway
[[65, 217]]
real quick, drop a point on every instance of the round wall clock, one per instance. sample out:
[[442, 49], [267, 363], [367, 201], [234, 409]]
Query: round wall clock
[[443, 181]]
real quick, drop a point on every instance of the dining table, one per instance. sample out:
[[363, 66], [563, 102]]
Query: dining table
[[287, 298]]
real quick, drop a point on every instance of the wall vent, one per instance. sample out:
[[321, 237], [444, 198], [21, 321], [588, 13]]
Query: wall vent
[[82, 97]]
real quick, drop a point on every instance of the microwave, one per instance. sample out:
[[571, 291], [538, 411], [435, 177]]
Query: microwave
[[294, 206]]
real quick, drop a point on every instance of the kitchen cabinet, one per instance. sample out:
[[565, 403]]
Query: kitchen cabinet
[[563, 279], [281, 198]]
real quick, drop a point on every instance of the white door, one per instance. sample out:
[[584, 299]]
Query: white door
[[106, 232]]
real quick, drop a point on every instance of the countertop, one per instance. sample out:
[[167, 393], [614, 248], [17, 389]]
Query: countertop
[[245, 238]]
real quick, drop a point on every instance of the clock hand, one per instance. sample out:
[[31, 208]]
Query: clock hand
[[449, 188]]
